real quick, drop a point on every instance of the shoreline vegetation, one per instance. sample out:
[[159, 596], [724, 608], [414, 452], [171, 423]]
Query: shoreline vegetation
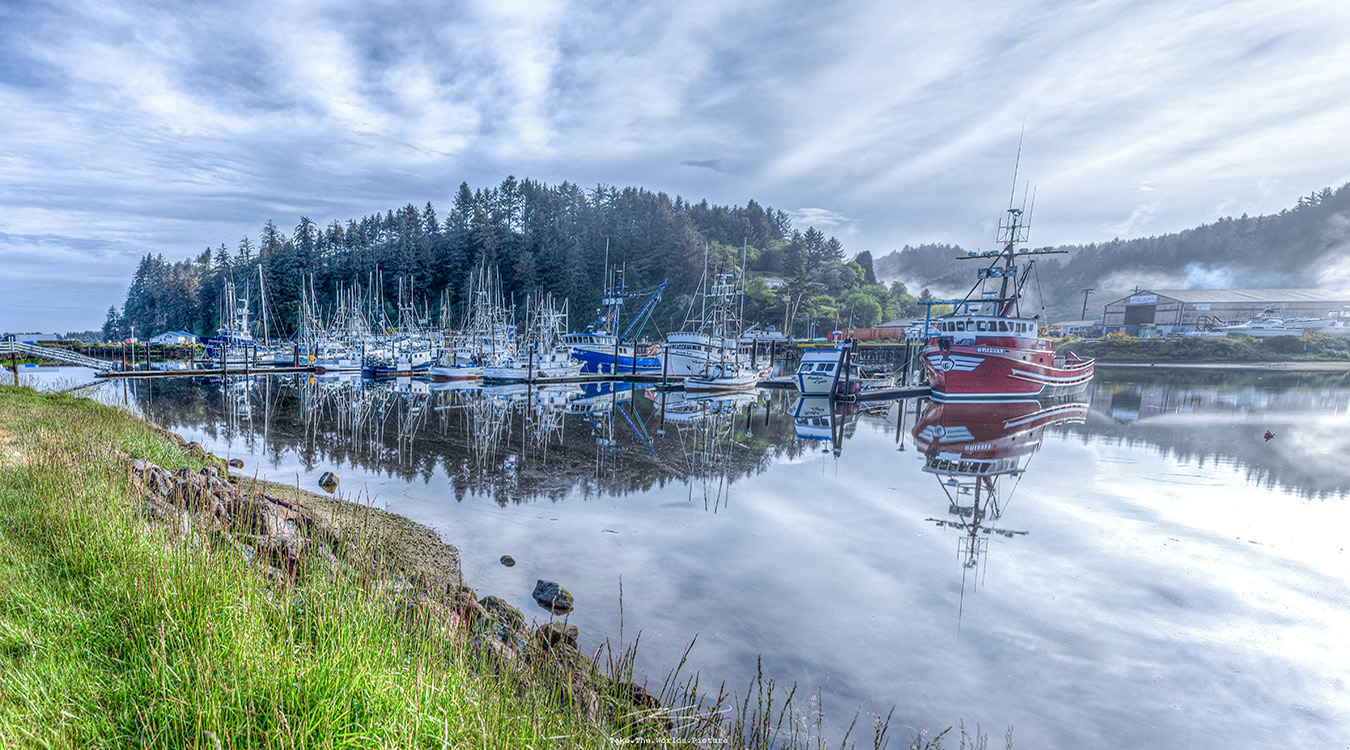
[[1275, 352], [153, 599]]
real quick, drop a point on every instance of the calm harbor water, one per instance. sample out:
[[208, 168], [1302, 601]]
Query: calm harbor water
[[1143, 568]]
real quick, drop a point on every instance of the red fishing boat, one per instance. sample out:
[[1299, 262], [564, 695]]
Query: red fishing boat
[[986, 350]]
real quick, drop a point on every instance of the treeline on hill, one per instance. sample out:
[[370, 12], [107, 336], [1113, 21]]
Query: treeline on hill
[[540, 238], [1295, 248]]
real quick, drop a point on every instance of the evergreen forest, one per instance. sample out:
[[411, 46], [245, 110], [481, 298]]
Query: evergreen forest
[[539, 238]]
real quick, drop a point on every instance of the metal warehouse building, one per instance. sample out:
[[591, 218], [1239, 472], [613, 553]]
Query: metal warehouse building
[[1173, 310]]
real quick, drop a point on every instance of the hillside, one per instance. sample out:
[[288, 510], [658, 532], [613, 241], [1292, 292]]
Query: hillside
[[1303, 246]]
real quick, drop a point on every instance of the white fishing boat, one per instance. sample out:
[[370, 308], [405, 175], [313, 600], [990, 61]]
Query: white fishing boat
[[541, 355], [487, 335], [706, 352]]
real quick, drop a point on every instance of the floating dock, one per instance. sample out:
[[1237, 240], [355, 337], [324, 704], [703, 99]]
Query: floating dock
[[214, 372]]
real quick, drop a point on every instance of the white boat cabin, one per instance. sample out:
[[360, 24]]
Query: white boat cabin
[[987, 326]]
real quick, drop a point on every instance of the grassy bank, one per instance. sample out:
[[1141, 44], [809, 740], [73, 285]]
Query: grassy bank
[[116, 633], [127, 621], [1228, 349]]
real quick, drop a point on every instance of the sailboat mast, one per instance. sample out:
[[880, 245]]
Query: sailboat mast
[[262, 303]]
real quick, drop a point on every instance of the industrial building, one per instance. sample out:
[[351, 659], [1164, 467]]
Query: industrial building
[[1181, 310]]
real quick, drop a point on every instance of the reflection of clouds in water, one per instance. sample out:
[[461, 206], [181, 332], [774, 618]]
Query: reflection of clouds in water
[[1203, 424], [1157, 587]]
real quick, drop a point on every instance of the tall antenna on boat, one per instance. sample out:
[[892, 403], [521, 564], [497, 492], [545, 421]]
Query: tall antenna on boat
[[1012, 197], [1031, 210]]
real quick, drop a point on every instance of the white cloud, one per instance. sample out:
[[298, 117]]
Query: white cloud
[[197, 125], [820, 218]]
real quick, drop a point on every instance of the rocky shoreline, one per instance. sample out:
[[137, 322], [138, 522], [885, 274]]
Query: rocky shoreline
[[289, 534]]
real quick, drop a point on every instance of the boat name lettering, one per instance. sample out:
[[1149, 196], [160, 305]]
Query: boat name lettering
[[990, 350]]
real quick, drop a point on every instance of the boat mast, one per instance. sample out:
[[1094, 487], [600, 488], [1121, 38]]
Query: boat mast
[[262, 304]]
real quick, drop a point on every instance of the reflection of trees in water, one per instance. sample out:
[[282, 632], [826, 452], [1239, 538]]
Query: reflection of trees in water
[[512, 446], [1204, 424]]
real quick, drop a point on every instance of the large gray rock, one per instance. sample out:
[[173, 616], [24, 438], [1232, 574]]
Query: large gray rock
[[554, 632], [552, 597]]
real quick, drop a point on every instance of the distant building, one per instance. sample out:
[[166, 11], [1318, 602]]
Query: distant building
[[1083, 329], [774, 283], [1181, 310], [174, 338], [912, 327]]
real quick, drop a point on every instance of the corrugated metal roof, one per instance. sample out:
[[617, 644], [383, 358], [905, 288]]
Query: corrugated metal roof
[[1263, 296]]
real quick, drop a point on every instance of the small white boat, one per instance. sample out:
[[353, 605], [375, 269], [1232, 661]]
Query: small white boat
[[1336, 323], [1261, 327], [539, 365], [819, 371], [718, 379], [456, 364]]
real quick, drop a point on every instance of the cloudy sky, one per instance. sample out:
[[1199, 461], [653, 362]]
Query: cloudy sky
[[171, 126]]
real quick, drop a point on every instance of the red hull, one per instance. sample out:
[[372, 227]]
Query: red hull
[[987, 431], [1002, 369]]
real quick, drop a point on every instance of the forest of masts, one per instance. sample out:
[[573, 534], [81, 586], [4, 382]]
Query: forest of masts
[[539, 238]]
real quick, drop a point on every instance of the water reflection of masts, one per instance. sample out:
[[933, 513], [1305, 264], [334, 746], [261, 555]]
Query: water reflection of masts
[[970, 448], [706, 428], [235, 394], [360, 412], [487, 427], [601, 405]]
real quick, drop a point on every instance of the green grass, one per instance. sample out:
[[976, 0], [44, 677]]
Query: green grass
[[115, 635], [1228, 349], [115, 632]]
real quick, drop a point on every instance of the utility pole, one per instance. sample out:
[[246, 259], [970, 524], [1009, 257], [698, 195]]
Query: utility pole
[[1086, 292]]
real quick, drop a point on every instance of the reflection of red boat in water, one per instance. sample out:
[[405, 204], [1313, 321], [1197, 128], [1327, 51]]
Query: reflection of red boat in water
[[987, 440], [985, 350], [971, 446]]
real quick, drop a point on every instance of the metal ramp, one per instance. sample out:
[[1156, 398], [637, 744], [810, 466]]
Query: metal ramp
[[59, 355]]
